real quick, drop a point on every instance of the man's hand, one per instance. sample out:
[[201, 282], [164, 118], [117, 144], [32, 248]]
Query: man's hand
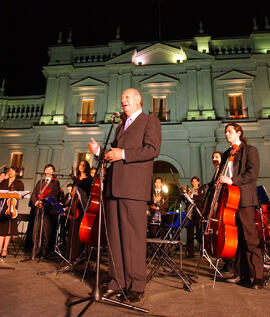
[[225, 180], [39, 203], [93, 146], [115, 154]]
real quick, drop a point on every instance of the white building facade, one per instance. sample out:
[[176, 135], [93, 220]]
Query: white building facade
[[195, 87]]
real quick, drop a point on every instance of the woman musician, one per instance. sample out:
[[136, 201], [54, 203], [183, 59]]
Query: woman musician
[[47, 187], [8, 222], [80, 194]]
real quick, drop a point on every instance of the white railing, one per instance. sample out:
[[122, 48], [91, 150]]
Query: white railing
[[24, 112]]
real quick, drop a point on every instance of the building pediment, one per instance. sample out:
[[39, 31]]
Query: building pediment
[[87, 82], [158, 54], [234, 75], [159, 79], [165, 54]]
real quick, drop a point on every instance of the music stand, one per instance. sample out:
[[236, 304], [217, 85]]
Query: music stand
[[70, 266], [96, 293], [204, 254]]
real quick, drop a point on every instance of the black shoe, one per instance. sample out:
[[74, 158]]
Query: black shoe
[[244, 283], [122, 295], [110, 293], [257, 284], [234, 279], [134, 296]]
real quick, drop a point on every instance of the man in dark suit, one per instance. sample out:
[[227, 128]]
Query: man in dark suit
[[45, 217], [128, 188], [243, 172], [158, 207], [196, 193]]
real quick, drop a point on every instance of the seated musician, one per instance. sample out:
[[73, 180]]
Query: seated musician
[[3, 176], [80, 194], [158, 207], [228, 267], [196, 192], [93, 172], [47, 187], [8, 225]]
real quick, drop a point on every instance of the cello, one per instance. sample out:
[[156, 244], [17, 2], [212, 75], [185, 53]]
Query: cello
[[91, 223], [88, 232], [221, 238]]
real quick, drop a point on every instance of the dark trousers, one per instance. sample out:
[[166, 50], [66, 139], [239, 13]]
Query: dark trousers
[[193, 224], [41, 233], [126, 223], [249, 259], [74, 247]]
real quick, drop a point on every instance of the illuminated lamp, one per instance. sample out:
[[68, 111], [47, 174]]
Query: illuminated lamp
[[21, 172], [165, 189]]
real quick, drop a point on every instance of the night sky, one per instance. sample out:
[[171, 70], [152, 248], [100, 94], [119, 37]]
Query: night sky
[[27, 29]]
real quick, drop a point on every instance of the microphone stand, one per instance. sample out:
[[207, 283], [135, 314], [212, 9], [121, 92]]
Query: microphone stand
[[96, 293]]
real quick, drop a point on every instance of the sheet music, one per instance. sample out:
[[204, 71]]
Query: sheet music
[[22, 194]]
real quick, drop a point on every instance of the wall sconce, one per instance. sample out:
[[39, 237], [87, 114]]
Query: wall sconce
[[140, 63], [21, 172]]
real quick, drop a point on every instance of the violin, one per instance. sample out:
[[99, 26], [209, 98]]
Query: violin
[[45, 191], [221, 238], [11, 208]]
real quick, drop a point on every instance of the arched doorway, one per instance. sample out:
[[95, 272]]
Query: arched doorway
[[170, 177]]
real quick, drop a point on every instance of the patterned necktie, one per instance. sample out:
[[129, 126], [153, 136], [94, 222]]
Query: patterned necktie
[[128, 123]]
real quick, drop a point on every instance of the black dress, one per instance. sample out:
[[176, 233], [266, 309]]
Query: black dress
[[74, 245], [8, 226]]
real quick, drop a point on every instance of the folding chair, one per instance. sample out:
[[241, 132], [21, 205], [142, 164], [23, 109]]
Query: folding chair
[[162, 247], [22, 221]]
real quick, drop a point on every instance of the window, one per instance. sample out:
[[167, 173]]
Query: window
[[236, 109], [87, 111], [16, 161], [85, 156], [160, 108]]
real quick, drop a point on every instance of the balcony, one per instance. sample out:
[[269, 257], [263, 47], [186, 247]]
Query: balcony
[[86, 118], [24, 112], [233, 115], [164, 116]]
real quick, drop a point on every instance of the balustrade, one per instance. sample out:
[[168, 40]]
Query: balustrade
[[24, 112]]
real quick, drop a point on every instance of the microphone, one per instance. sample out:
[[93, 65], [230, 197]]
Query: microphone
[[115, 115]]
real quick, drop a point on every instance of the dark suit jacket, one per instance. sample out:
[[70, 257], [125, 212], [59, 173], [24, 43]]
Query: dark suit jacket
[[132, 178], [163, 204], [246, 167], [54, 191], [198, 199]]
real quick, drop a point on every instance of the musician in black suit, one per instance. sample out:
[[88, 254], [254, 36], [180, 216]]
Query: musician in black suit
[[196, 193], [243, 172], [48, 187]]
